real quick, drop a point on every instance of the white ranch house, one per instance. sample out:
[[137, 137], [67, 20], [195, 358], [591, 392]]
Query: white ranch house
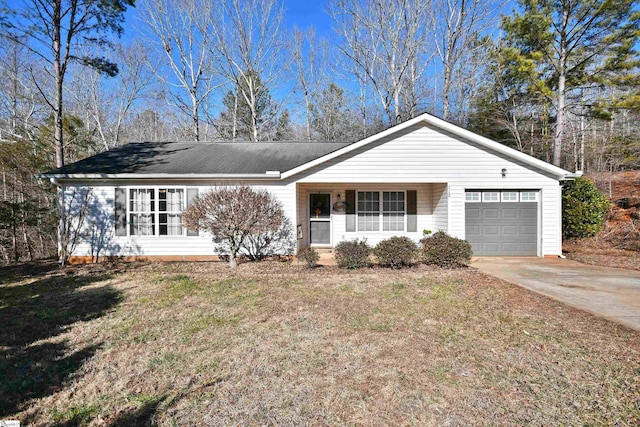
[[424, 174]]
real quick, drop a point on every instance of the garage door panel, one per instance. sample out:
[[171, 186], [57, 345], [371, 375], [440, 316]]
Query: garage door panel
[[510, 213], [491, 230], [510, 230], [490, 213], [473, 213], [502, 228]]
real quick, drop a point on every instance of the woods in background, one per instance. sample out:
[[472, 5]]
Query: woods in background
[[555, 79]]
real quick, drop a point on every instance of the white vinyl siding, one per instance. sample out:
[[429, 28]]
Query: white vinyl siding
[[423, 155], [99, 236]]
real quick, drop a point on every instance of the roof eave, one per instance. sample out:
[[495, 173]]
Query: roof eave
[[270, 175]]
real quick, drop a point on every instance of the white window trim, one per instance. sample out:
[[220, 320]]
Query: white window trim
[[156, 212], [381, 211], [490, 201], [479, 193], [535, 196], [502, 193]]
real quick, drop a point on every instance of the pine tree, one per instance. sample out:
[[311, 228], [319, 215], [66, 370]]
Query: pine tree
[[566, 45]]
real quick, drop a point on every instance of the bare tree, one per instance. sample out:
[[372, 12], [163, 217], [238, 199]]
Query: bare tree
[[456, 26], [309, 56], [387, 41], [248, 41], [183, 29], [107, 103]]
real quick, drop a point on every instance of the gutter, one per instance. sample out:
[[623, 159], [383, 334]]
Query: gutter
[[268, 175], [571, 176]]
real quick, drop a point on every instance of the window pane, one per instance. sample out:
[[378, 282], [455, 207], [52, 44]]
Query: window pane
[[368, 211], [490, 196], [509, 196], [472, 196], [393, 211]]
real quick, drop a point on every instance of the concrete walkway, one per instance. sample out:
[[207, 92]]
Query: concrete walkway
[[612, 293]]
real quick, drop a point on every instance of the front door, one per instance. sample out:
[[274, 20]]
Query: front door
[[320, 219]]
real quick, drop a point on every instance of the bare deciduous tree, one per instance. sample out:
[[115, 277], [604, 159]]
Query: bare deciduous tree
[[387, 42], [183, 30], [108, 103], [309, 56], [252, 54], [456, 26]]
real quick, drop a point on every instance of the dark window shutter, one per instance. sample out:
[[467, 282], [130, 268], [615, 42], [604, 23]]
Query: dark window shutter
[[192, 193], [350, 199], [120, 210], [412, 210]]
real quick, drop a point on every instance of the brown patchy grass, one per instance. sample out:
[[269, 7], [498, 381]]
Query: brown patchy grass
[[276, 344]]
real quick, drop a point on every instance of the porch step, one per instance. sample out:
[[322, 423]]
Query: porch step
[[324, 250]]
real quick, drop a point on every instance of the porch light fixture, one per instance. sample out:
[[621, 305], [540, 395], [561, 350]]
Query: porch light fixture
[[504, 172], [339, 205]]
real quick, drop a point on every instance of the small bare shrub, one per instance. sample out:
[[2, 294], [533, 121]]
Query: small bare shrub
[[352, 254], [237, 217], [395, 252], [446, 251], [309, 256]]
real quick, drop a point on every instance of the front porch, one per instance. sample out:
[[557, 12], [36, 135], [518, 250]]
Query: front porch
[[328, 213]]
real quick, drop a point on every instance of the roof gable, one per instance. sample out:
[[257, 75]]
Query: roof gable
[[444, 127]]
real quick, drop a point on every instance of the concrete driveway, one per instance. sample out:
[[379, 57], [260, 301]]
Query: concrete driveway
[[613, 293]]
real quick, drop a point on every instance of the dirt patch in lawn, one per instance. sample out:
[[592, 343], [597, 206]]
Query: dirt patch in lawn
[[275, 343]]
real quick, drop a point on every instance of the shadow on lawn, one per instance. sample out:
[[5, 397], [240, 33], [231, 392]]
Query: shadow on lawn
[[33, 312]]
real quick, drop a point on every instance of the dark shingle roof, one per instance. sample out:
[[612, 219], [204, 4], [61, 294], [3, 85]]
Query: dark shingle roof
[[184, 158]]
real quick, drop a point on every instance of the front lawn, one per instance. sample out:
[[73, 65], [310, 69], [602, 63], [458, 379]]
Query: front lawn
[[275, 344]]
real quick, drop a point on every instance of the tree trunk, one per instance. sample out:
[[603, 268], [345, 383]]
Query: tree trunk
[[560, 121], [194, 112], [59, 76], [446, 88]]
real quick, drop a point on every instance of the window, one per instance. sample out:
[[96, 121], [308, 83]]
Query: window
[[156, 212], [368, 211], [141, 212], [491, 196], [392, 210], [528, 196], [472, 196], [509, 196], [170, 203]]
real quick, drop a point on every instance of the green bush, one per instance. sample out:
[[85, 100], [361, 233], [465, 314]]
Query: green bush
[[395, 252], [584, 208], [446, 251], [352, 254], [309, 256]]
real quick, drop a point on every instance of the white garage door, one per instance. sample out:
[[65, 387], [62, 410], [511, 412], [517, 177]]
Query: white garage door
[[502, 222]]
